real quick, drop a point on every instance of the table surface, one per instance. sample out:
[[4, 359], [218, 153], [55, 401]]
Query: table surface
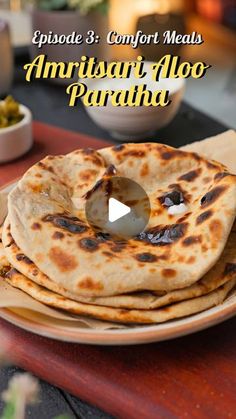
[[49, 104]]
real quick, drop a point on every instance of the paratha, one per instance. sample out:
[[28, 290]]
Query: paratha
[[52, 232], [222, 272], [174, 311]]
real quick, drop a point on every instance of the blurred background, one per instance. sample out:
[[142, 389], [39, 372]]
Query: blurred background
[[215, 94]]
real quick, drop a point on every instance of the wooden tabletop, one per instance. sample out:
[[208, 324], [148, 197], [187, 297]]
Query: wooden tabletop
[[193, 377]]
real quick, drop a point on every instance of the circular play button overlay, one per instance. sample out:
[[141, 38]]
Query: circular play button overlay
[[118, 206]]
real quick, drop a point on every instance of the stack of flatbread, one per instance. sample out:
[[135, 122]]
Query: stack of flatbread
[[183, 263]]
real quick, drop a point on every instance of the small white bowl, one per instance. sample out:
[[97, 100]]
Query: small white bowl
[[17, 139], [136, 123]]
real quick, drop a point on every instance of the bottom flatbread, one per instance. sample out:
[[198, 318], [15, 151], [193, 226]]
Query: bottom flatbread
[[222, 272], [174, 311], [120, 315]]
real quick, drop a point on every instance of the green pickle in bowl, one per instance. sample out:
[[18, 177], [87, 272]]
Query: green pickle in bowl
[[9, 112]]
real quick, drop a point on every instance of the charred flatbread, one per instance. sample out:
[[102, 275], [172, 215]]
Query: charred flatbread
[[174, 311], [175, 251]]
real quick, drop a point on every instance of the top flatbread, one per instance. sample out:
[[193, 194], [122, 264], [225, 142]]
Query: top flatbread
[[43, 220]]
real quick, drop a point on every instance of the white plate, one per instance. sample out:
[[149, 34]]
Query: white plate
[[131, 335]]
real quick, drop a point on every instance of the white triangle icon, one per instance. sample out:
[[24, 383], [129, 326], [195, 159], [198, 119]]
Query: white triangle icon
[[116, 210]]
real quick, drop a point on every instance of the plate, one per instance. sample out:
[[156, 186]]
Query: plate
[[35, 323]]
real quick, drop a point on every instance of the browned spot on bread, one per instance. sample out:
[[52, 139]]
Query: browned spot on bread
[[71, 224], [179, 187], [9, 274], [118, 147], [175, 197], [168, 273], [103, 237], [211, 165], [190, 176], [94, 157], [175, 186], [110, 170], [144, 170], [87, 151], [64, 261], [58, 235], [38, 175], [212, 196], [204, 216], [180, 259], [230, 269], [195, 156], [39, 257], [157, 212], [98, 185], [134, 153], [164, 235], [4, 271], [46, 167], [152, 270], [50, 169], [221, 175], [22, 258], [204, 248], [207, 179], [191, 240], [118, 247], [11, 243], [123, 312], [165, 309], [88, 244], [61, 298], [109, 254], [36, 226], [42, 165], [146, 257], [171, 154], [184, 218], [35, 187], [191, 260], [89, 284], [87, 174], [216, 229], [35, 272]]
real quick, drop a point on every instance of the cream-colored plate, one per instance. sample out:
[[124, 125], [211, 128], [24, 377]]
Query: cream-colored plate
[[36, 323]]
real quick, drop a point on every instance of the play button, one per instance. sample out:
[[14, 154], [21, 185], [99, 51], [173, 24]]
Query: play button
[[117, 210], [117, 206]]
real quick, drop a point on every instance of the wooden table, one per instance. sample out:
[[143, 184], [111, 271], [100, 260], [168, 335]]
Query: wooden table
[[191, 377]]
